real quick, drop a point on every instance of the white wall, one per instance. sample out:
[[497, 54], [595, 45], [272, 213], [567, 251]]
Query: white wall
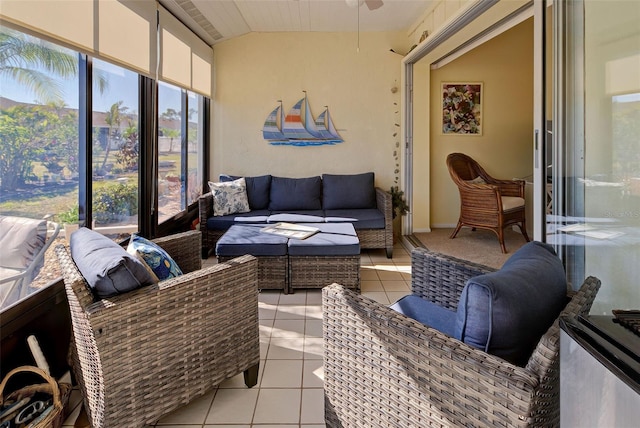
[[253, 71]]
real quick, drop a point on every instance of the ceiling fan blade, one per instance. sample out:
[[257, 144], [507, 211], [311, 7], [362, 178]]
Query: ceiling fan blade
[[374, 4]]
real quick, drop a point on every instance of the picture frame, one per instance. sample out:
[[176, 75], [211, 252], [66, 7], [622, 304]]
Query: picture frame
[[462, 108]]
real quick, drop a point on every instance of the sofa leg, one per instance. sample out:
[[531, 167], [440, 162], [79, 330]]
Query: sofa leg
[[251, 375], [389, 252]]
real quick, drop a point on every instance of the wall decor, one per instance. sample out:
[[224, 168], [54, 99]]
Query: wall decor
[[299, 128], [462, 108]]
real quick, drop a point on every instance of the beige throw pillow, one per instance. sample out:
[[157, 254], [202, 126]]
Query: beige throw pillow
[[229, 197]]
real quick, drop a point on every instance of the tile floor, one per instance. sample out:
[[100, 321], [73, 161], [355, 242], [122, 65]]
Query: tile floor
[[289, 391]]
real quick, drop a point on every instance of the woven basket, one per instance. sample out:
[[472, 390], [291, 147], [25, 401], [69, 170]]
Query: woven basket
[[59, 391]]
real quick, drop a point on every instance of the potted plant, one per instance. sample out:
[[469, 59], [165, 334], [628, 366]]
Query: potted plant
[[399, 207], [69, 220]]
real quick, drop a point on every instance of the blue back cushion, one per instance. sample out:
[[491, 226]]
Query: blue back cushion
[[258, 189], [107, 267], [506, 312], [295, 193], [348, 191]]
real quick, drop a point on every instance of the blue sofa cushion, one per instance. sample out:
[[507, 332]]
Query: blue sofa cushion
[[224, 222], [106, 266], [337, 239], [348, 191], [258, 189], [371, 218], [295, 193], [427, 313], [506, 312], [245, 239]]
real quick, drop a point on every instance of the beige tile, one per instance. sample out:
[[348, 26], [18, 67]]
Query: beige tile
[[297, 298], [269, 296], [291, 312], [390, 275], [267, 311], [313, 328], [314, 297], [282, 374], [312, 406], [233, 406], [371, 285], [264, 347], [312, 374], [288, 328], [237, 381], [313, 348], [314, 311], [193, 413], [278, 406], [378, 296], [395, 285], [281, 348], [312, 426], [368, 274], [184, 426], [396, 295], [266, 328], [221, 426]]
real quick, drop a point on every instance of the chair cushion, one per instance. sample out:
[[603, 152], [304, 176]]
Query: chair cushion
[[107, 267], [370, 218], [295, 193], [155, 256], [427, 313], [21, 239], [348, 191], [229, 197], [258, 189], [511, 202], [506, 312]]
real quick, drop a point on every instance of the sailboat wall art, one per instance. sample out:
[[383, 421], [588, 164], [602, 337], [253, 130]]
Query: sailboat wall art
[[299, 128]]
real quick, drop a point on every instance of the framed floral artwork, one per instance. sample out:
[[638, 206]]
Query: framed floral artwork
[[462, 108]]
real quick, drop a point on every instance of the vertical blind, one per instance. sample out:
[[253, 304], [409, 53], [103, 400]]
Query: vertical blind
[[123, 32]]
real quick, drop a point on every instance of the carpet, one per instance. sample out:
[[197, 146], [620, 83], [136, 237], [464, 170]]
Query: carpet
[[480, 246]]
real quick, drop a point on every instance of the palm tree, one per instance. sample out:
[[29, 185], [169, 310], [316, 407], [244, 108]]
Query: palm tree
[[31, 62], [113, 118]]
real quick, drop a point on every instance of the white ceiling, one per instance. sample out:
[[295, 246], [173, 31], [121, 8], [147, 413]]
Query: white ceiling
[[218, 20]]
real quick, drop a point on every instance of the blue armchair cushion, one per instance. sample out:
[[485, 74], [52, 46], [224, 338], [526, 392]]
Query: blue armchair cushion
[[160, 262], [348, 191], [107, 267], [258, 189], [295, 193], [506, 312], [427, 313]]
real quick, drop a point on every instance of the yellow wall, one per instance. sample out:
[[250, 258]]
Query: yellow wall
[[253, 71], [505, 67]]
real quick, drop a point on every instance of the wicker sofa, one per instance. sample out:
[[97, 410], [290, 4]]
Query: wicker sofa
[[388, 369], [144, 353], [330, 198]]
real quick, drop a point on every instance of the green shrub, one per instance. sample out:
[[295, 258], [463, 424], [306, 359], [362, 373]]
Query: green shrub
[[69, 216], [114, 202]]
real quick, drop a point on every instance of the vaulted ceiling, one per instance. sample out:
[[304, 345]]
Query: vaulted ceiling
[[218, 20]]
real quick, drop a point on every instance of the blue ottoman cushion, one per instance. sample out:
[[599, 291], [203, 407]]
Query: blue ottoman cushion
[[506, 312], [295, 193], [245, 239], [337, 239], [224, 222], [427, 313], [348, 191]]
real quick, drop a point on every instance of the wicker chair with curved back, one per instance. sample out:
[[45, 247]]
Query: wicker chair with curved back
[[486, 202]]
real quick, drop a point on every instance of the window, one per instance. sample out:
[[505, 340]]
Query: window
[[115, 151], [170, 177]]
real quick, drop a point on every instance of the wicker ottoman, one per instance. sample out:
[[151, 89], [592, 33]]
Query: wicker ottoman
[[332, 255], [270, 250]]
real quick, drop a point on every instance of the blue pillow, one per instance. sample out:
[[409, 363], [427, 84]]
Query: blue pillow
[[258, 189], [354, 191], [107, 267], [506, 312], [295, 193], [157, 258]]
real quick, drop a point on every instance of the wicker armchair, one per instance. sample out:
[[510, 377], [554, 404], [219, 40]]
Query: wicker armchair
[[142, 354], [383, 369], [486, 202]]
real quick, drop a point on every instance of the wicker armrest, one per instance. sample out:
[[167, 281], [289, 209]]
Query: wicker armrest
[[376, 358], [383, 202], [440, 278], [205, 207], [511, 187]]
